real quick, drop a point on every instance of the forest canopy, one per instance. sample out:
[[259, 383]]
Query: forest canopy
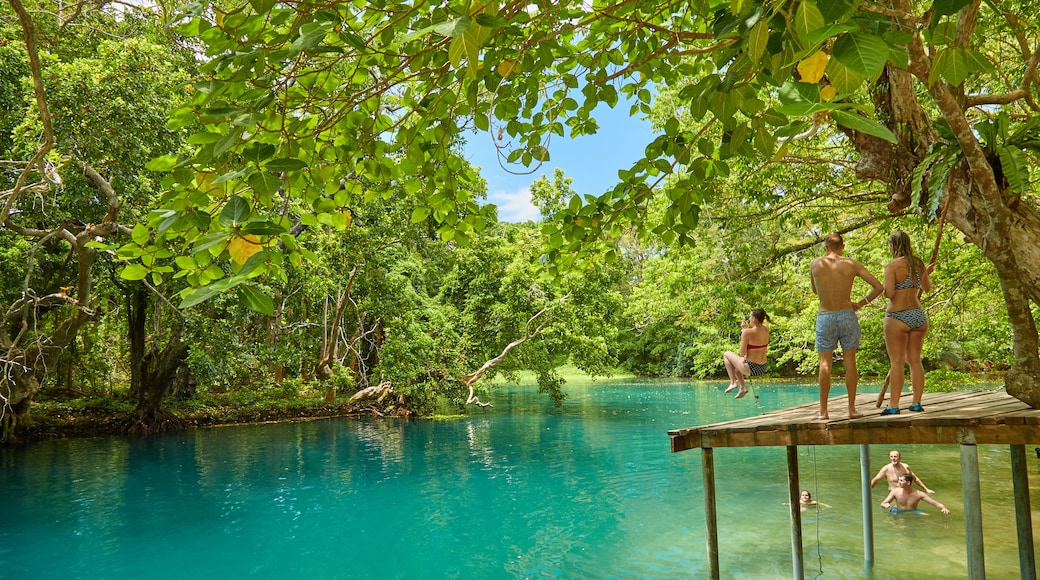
[[262, 190]]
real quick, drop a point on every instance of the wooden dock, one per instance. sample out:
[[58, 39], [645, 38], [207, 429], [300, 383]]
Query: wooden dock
[[976, 418], [967, 419]]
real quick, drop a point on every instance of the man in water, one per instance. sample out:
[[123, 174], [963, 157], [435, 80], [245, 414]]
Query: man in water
[[893, 470], [832, 276], [906, 498]]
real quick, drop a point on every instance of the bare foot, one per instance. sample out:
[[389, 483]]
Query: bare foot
[[855, 415], [821, 417], [731, 387], [741, 393]]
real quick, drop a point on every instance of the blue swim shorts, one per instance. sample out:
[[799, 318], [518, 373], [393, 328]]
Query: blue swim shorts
[[835, 326], [895, 510]]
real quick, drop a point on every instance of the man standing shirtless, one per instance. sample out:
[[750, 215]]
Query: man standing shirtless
[[832, 276], [893, 470], [907, 498]]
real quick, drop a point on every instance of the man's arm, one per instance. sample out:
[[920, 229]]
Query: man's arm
[[941, 507], [887, 502], [876, 287], [880, 475], [918, 481]]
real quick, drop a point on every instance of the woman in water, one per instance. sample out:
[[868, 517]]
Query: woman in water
[[906, 278], [751, 361], [807, 501]]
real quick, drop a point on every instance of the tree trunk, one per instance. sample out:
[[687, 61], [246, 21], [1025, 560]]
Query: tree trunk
[[154, 373], [976, 202]]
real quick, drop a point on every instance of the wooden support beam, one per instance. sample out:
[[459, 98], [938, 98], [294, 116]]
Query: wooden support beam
[[795, 493], [1023, 514], [710, 516], [868, 508], [972, 512]]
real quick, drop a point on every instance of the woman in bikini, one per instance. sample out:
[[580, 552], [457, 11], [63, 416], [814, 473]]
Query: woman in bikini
[[754, 342], [906, 278]]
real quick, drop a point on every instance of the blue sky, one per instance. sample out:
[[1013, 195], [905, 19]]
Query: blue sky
[[592, 161]]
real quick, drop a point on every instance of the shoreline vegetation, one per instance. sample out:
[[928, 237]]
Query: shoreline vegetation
[[114, 416]]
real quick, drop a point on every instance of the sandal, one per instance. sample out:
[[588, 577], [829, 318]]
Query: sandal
[[890, 411], [916, 407]]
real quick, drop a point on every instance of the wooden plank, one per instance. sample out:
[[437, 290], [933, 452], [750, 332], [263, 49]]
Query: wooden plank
[[990, 416]]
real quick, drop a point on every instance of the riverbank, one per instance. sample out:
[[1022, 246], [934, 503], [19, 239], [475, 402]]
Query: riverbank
[[113, 415], [107, 417]]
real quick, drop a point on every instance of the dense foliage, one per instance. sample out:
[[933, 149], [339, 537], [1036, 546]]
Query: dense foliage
[[272, 197]]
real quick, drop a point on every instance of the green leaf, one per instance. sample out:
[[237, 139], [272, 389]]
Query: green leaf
[[264, 228], [808, 18], [420, 214], [258, 152], [1015, 166], [191, 297], [226, 142], [235, 213], [163, 163], [836, 10], [209, 240], [255, 300], [262, 6], [821, 34], [311, 35], [264, 183], [286, 164], [133, 272], [954, 64], [453, 28], [863, 53], [842, 78], [140, 234], [204, 138], [942, 8], [863, 125], [758, 38], [490, 21]]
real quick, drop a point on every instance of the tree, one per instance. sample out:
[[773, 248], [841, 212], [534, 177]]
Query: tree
[[937, 99], [91, 109]]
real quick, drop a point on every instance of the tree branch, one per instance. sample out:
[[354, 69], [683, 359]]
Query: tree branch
[[473, 377], [41, 104]]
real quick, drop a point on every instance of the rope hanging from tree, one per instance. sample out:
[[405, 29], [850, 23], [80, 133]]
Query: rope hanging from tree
[[736, 301]]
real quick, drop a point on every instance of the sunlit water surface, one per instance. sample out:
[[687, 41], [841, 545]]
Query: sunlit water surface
[[517, 490]]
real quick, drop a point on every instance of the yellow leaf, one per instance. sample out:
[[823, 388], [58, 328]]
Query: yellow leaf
[[242, 247], [811, 68], [827, 93], [505, 68], [348, 218]]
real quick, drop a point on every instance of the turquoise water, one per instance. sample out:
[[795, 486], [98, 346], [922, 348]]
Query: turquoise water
[[517, 490]]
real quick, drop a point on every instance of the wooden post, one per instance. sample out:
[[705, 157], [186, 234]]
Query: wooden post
[[868, 508], [710, 522], [795, 493], [972, 511], [1023, 515]]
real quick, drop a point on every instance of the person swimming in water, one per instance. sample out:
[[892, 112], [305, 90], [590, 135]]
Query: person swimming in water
[[807, 501], [906, 498]]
